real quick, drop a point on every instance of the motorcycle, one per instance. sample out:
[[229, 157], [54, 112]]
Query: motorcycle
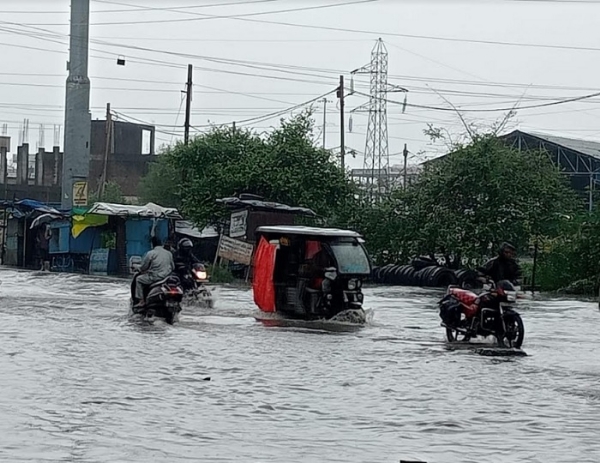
[[466, 315], [193, 281], [163, 300]]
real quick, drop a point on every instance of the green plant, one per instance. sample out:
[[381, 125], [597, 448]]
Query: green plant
[[112, 194], [220, 274]]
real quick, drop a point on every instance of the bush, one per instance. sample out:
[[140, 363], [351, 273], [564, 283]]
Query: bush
[[220, 274]]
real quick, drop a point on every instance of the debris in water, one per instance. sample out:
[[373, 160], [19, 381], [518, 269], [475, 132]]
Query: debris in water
[[500, 352]]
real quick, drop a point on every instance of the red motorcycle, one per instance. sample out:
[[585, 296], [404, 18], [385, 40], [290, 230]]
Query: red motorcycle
[[466, 315]]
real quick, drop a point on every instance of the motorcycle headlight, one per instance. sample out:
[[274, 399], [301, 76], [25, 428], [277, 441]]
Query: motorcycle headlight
[[201, 275], [352, 285]]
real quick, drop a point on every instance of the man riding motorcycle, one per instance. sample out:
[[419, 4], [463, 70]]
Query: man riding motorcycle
[[156, 266], [503, 266], [504, 271], [184, 258]]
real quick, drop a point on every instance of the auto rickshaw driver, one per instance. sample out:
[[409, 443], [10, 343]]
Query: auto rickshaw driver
[[317, 268]]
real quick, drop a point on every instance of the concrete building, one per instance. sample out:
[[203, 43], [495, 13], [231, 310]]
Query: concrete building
[[131, 149], [126, 161]]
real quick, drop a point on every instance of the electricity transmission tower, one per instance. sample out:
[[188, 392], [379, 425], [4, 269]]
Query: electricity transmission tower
[[377, 155]]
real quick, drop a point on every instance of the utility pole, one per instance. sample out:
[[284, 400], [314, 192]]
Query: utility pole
[[188, 103], [76, 157], [405, 153], [340, 95], [324, 120], [107, 146]]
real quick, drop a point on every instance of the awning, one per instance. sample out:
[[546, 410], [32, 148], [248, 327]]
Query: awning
[[150, 210], [36, 206], [184, 227], [82, 222], [45, 218]]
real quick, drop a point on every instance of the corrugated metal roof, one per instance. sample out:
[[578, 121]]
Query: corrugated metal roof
[[238, 203], [307, 231], [588, 147]]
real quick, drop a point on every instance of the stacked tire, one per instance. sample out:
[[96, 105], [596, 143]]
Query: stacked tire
[[432, 276]]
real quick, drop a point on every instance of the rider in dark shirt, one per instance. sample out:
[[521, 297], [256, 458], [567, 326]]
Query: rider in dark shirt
[[503, 266], [184, 259]]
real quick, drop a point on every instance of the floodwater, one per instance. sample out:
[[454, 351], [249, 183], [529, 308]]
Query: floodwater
[[79, 382]]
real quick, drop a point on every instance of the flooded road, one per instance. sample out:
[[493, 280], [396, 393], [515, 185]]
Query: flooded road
[[81, 383]]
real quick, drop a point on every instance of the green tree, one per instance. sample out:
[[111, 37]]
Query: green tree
[[162, 183], [284, 166], [572, 256], [112, 194], [471, 200]]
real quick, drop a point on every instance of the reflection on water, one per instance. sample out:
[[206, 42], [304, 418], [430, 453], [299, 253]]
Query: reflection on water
[[83, 383]]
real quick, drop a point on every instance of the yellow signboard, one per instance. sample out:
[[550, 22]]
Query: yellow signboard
[[80, 194]]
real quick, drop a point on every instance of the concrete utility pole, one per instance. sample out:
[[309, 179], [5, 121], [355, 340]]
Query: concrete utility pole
[[340, 95], [76, 157], [188, 104]]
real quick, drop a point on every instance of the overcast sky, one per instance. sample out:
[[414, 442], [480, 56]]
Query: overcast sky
[[477, 55]]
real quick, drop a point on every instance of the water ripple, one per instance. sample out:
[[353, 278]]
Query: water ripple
[[83, 383]]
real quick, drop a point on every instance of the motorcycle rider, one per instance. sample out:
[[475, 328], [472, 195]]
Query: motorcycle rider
[[156, 266], [503, 266], [184, 258]]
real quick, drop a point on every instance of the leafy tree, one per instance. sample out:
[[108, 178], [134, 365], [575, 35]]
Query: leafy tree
[[571, 256], [162, 183], [284, 166], [112, 194], [471, 200]]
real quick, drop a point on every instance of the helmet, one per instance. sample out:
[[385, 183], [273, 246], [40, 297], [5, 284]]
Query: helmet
[[185, 244]]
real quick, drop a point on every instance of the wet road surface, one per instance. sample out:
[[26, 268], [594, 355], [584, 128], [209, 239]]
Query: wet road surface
[[80, 382]]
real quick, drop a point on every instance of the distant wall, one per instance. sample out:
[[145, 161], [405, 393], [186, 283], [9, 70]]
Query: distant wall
[[130, 152]]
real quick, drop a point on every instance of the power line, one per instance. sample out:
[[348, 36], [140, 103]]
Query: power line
[[138, 9], [415, 36], [377, 33], [287, 68], [265, 117], [436, 108], [211, 17]]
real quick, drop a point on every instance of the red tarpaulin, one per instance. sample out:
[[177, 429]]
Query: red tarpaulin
[[262, 282]]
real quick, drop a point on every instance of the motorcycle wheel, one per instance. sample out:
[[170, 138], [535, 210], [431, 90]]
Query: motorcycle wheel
[[455, 336], [515, 330]]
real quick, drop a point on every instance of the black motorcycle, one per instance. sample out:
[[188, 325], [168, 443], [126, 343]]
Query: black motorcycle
[[466, 315], [163, 300], [193, 281]]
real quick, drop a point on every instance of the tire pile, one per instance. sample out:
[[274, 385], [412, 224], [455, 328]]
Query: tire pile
[[424, 273]]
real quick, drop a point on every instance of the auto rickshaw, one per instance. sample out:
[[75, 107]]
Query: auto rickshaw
[[310, 273]]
